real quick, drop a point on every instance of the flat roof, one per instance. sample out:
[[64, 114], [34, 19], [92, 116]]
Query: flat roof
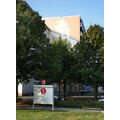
[[61, 16]]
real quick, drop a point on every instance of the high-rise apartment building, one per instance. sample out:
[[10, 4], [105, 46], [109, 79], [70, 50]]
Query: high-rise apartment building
[[70, 28]]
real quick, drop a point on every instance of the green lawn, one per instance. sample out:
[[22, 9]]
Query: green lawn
[[57, 115]]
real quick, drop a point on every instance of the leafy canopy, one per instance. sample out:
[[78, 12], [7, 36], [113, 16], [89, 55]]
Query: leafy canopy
[[31, 43]]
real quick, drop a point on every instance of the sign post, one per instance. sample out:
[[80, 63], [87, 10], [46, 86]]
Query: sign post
[[43, 94]]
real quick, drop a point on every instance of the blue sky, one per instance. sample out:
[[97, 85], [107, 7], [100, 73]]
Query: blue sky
[[91, 11]]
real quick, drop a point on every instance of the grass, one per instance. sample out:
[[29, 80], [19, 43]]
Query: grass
[[57, 115]]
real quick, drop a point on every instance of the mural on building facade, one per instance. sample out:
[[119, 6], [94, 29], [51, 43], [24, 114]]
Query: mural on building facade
[[62, 27]]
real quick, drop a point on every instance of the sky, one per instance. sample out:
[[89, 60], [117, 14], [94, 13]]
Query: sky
[[91, 11]]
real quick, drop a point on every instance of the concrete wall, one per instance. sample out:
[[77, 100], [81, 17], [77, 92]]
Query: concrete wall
[[28, 88], [101, 90], [65, 25], [20, 89]]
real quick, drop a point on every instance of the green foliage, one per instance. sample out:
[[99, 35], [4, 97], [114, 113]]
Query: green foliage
[[59, 62], [60, 51], [31, 43], [79, 104], [37, 58], [89, 53]]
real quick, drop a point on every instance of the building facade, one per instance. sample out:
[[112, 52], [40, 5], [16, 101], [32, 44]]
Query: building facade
[[70, 28]]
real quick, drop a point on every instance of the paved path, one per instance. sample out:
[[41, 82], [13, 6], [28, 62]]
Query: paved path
[[58, 108]]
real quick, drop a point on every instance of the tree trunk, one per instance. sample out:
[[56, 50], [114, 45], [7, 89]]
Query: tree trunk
[[64, 90], [79, 89], [70, 89], [59, 90], [96, 92]]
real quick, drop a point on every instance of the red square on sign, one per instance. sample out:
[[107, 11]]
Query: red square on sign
[[43, 82]]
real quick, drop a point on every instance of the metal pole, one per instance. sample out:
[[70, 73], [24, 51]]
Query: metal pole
[[53, 99], [33, 106], [33, 98], [52, 106]]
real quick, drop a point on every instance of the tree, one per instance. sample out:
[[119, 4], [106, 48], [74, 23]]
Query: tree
[[89, 53], [69, 62], [60, 52], [31, 44]]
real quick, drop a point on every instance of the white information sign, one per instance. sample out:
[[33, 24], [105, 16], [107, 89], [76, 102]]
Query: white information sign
[[43, 94]]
